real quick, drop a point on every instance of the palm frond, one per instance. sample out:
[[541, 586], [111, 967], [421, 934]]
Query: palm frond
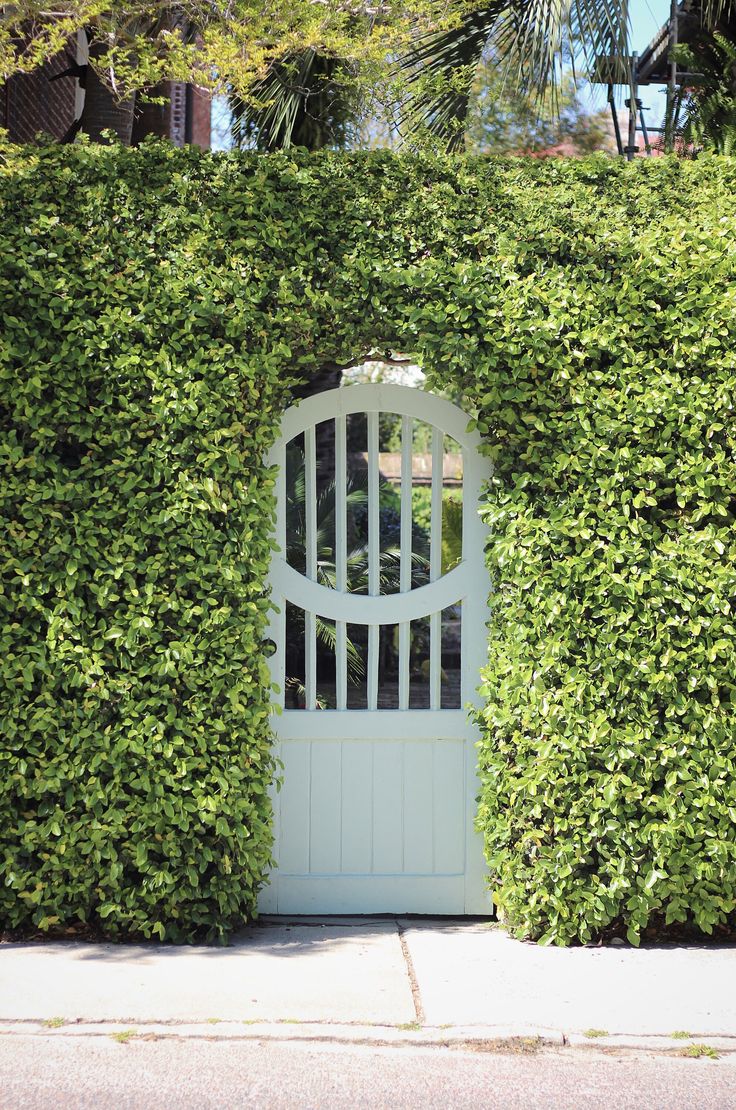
[[529, 40], [439, 71], [327, 633], [712, 11], [305, 100]]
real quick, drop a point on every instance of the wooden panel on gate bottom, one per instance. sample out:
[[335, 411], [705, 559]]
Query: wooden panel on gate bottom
[[372, 807]]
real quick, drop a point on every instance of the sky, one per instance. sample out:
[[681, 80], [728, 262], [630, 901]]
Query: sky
[[647, 16]]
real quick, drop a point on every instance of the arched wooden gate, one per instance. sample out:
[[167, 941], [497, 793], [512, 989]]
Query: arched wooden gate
[[376, 809]]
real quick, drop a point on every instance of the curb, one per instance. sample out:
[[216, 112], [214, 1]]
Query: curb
[[409, 1034], [517, 1039]]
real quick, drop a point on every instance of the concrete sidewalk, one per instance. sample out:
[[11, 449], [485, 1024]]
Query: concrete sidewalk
[[376, 979]]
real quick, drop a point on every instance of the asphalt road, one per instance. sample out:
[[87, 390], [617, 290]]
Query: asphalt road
[[37, 1072]]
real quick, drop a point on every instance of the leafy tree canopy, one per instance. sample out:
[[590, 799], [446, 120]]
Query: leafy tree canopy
[[136, 44]]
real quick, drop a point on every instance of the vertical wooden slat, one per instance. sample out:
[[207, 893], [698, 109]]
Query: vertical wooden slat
[[280, 493], [406, 509], [373, 643], [469, 508], [325, 807], [294, 809], [341, 665], [435, 660], [357, 807], [310, 515], [447, 817], [388, 808], [470, 523], [435, 567], [310, 501], [435, 530], [310, 660], [418, 815], [278, 620], [374, 570], [278, 635], [405, 555], [373, 506], [341, 558]]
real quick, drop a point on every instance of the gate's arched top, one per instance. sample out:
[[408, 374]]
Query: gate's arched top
[[401, 399]]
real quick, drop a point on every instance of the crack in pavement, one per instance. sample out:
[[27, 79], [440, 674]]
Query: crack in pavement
[[413, 981]]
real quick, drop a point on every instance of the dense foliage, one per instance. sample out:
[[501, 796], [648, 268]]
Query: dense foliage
[[158, 307]]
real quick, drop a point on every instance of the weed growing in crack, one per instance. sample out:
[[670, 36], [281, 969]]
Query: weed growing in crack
[[697, 1051], [124, 1035]]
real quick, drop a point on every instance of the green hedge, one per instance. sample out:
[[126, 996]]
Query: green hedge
[[159, 305]]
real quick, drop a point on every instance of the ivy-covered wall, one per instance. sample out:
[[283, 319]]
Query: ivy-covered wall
[[158, 307]]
